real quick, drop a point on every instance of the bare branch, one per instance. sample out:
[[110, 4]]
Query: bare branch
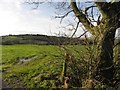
[[75, 29], [63, 16], [116, 44], [86, 9], [82, 17], [37, 3], [83, 34], [98, 21], [103, 7]]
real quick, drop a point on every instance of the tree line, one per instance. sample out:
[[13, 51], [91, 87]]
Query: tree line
[[42, 40]]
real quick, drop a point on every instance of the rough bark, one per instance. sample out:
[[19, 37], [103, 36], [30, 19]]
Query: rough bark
[[111, 16], [81, 17], [105, 69]]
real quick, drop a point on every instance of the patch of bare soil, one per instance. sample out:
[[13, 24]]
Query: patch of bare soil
[[25, 59]]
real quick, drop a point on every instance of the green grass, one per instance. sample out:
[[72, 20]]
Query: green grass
[[47, 63], [11, 52], [41, 71]]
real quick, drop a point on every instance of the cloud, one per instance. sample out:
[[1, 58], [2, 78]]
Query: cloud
[[16, 19], [19, 18]]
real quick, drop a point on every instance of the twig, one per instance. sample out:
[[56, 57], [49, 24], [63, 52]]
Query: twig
[[83, 34], [75, 29], [63, 16]]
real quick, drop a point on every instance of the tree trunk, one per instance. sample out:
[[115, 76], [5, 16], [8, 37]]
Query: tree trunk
[[105, 69], [110, 21]]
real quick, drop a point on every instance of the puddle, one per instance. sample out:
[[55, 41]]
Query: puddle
[[27, 59]]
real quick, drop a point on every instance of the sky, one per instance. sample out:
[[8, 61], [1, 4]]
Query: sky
[[16, 17]]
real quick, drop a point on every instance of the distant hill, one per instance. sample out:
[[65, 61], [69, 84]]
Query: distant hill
[[38, 39]]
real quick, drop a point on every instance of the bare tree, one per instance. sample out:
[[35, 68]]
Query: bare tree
[[108, 20]]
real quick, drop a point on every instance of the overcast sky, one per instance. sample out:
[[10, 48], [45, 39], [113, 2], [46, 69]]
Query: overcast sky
[[19, 18], [16, 17]]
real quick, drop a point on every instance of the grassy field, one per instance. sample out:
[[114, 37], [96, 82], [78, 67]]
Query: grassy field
[[35, 66], [43, 69], [47, 63]]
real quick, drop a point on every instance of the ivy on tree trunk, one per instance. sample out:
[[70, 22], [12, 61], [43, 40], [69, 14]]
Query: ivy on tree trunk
[[111, 21]]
